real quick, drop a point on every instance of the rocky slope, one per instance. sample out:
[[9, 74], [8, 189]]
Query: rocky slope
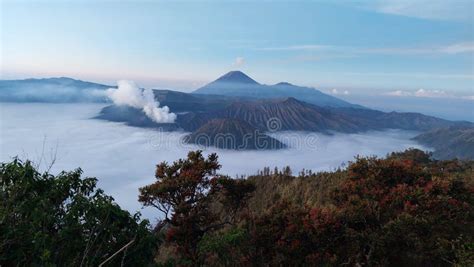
[[289, 114]]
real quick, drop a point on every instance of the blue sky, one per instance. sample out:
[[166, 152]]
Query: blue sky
[[398, 48]]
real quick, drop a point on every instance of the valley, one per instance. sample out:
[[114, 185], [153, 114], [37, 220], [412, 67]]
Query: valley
[[243, 110]]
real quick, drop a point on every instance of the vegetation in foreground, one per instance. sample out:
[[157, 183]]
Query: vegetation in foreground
[[64, 220], [406, 209]]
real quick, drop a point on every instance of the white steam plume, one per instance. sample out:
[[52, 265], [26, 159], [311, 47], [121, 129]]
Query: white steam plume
[[129, 94]]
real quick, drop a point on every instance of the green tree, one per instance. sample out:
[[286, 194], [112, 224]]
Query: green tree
[[64, 220]]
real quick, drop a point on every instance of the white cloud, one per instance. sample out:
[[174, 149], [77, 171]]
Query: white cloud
[[337, 92], [297, 47], [431, 93], [455, 48], [427, 94], [347, 51], [422, 9], [399, 93], [418, 75], [239, 61], [458, 48]]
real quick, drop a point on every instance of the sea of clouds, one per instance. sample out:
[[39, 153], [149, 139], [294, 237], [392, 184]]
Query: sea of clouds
[[123, 158]]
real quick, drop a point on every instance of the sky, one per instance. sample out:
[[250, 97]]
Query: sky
[[397, 48]]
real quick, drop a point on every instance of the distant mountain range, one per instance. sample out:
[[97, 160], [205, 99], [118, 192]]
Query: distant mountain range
[[232, 86], [237, 83], [51, 90], [237, 104]]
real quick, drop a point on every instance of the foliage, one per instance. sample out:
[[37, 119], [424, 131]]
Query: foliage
[[399, 210], [406, 209], [185, 192], [64, 220]]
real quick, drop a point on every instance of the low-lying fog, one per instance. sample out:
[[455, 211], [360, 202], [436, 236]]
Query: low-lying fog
[[123, 158]]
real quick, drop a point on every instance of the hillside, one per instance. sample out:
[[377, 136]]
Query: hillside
[[232, 134], [237, 83], [451, 142]]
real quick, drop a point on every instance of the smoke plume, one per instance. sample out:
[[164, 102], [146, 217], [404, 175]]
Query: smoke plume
[[129, 94]]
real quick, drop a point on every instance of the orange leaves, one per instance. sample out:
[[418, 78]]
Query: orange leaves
[[322, 217]]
